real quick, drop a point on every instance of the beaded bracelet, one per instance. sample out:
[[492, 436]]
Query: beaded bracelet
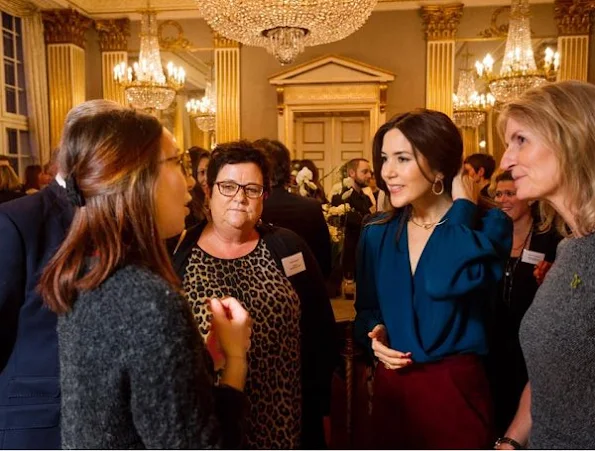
[[509, 441]]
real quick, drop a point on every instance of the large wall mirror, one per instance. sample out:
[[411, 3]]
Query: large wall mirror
[[188, 44]]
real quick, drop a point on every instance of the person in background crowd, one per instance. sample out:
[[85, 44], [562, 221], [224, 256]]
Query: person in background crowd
[[550, 151], [296, 165], [33, 175], [302, 215], [50, 169], [32, 229], [134, 371], [359, 174], [532, 254], [319, 192], [10, 185], [199, 160], [374, 187], [480, 167], [276, 277], [425, 270]]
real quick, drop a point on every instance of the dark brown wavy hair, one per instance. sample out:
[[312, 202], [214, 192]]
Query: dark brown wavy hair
[[114, 159]]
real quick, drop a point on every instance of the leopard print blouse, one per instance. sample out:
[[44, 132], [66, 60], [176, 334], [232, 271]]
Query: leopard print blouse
[[273, 383]]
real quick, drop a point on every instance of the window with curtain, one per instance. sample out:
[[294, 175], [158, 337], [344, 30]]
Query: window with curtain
[[14, 141]]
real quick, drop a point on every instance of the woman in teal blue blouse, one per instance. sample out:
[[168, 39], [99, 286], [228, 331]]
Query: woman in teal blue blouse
[[425, 271]]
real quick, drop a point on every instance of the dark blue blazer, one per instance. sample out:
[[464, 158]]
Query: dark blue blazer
[[31, 230]]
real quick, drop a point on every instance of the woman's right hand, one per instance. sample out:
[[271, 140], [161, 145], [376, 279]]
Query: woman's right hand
[[232, 326], [390, 358], [463, 187]]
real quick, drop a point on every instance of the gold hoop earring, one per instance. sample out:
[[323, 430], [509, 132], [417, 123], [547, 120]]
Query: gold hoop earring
[[435, 191]]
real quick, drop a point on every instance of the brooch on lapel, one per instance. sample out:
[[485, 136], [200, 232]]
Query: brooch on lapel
[[576, 281]]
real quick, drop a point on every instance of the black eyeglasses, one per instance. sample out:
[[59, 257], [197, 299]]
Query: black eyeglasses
[[229, 188]]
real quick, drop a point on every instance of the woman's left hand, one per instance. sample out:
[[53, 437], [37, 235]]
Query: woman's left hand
[[541, 270]]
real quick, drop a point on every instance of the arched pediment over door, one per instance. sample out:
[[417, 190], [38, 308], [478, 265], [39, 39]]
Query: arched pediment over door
[[330, 84]]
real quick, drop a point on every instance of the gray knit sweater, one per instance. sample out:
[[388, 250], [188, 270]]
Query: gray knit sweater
[[558, 340], [135, 374]]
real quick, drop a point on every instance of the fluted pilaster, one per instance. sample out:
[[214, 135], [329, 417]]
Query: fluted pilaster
[[574, 20], [470, 141], [440, 25], [64, 32], [113, 41], [227, 72]]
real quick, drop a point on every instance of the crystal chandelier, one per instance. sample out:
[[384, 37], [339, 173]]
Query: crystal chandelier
[[286, 27], [145, 84], [518, 71], [469, 107], [204, 110]]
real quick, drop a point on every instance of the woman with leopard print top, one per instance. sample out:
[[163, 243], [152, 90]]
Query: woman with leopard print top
[[275, 276]]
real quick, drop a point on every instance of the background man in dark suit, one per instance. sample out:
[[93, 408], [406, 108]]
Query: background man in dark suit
[[31, 230], [303, 215]]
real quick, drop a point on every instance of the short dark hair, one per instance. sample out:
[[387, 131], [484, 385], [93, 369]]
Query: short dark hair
[[279, 160], [235, 153], [482, 160], [353, 164]]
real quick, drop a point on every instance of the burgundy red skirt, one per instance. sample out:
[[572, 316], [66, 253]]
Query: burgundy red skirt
[[441, 405]]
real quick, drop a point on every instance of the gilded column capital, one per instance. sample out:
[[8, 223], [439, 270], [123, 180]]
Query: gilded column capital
[[113, 34], [223, 42], [573, 17], [65, 26], [441, 21]]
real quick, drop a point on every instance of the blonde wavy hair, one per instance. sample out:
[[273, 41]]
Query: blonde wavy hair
[[562, 114], [9, 180]]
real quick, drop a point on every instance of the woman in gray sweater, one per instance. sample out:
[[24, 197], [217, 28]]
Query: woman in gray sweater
[[550, 137], [134, 371]]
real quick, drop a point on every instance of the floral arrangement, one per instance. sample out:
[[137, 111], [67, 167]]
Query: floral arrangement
[[345, 186], [334, 217], [304, 181]]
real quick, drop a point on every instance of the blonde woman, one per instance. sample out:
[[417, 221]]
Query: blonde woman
[[550, 137], [10, 185]]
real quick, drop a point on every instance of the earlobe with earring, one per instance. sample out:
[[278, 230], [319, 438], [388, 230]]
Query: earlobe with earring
[[435, 190]]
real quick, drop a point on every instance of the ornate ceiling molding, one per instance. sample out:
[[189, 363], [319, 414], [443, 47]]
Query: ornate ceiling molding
[[113, 34], [221, 42], [441, 22], [187, 9], [65, 26], [574, 17]]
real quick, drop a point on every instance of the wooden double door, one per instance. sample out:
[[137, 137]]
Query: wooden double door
[[330, 140]]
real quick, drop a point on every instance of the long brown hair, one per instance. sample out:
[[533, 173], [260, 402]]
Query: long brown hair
[[562, 115], [113, 158]]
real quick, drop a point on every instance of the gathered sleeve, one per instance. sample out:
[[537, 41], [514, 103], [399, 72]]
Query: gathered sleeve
[[468, 253], [368, 313]]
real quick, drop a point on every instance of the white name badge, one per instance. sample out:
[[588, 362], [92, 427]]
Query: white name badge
[[294, 264], [532, 257]]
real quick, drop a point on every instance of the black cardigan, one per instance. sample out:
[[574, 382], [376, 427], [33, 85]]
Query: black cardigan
[[319, 345]]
